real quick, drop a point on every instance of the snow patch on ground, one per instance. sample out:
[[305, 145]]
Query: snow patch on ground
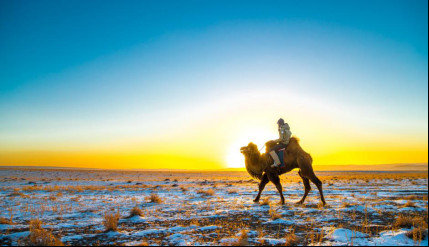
[[396, 238], [180, 239], [343, 235], [280, 221]]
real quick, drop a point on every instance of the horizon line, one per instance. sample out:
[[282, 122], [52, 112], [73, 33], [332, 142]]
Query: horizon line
[[417, 167]]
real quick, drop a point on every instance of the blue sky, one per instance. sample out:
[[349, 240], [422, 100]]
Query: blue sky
[[45, 37], [77, 71]]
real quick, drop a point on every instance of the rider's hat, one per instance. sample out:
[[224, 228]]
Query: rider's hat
[[281, 121]]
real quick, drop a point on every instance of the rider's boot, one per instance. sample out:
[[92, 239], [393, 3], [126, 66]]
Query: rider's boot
[[275, 158]]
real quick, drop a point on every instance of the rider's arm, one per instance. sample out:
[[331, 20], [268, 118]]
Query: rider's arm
[[285, 133]]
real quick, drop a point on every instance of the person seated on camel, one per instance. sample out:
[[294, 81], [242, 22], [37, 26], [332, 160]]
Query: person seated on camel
[[282, 142]]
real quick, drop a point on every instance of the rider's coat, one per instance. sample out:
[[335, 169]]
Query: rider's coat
[[284, 133]]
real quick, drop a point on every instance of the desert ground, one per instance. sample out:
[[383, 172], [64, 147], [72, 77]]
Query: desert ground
[[105, 207]]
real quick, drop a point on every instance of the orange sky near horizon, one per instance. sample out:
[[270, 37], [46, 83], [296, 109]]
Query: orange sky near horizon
[[203, 139], [173, 162]]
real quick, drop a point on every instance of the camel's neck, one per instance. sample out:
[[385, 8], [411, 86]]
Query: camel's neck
[[264, 160], [254, 160], [256, 164]]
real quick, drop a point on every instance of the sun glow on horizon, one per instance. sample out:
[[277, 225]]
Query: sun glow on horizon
[[235, 159]]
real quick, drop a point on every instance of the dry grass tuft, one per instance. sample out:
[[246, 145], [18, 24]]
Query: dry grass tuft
[[273, 214], [291, 239], [18, 194], [266, 201], [208, 192], [403, 221], [347, 205], [409, 204], [418, 234], [408, 221], [35, 224], [5, 221], [243, 239], [39, 236], [154, 198], [110, 221], [136, 211], [411, 197], [143, 243]]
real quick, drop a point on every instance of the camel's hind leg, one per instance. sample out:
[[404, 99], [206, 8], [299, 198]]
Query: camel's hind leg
[[318, 183], [307, 188], [306, 171], [275, 179], [262, 184]]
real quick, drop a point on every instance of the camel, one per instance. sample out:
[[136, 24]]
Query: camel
[[259, 166]]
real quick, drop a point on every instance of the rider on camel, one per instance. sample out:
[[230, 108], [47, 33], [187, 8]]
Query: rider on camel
[[282, 142]]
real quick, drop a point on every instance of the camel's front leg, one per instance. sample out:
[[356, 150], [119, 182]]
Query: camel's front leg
[[262, 184], [274, 178]]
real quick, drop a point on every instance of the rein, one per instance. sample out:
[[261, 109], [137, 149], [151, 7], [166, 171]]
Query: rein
[[261, 148]]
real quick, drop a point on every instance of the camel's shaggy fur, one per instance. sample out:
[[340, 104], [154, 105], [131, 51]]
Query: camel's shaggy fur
[[259, 166]]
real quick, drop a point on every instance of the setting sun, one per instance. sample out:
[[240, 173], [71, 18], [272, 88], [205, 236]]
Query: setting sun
[[234, 158]]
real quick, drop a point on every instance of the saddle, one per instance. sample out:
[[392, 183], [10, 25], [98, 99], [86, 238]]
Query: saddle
[[280, 154]]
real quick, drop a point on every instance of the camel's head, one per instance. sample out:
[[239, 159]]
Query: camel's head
[[253, 166], [249, 149]]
